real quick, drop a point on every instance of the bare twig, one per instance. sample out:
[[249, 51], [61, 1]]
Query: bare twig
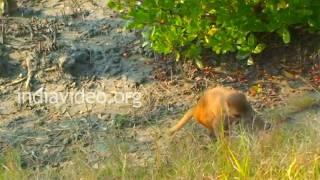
[[51, 69], [29, 26], [3, 31], [16, 81], [30, 68]]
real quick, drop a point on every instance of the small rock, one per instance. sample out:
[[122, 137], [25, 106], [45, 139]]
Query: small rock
[[113, 117], [295, 84], [95, 166], [101, 147], [66, 62], [106, 68], [115, 59], [115, 70], [107, 51], [105, 117], [138, 79], [90, 33], [74, 48], [28, 12], [66, 141], [98, 55], [81, 56], [116, 50], [124, 77], [70, 23]]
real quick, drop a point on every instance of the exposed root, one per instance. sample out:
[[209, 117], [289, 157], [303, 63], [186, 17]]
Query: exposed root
[[17, 81], [31, 67]]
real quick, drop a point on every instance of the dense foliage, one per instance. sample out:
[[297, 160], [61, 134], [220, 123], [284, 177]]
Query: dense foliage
[[186, 27]]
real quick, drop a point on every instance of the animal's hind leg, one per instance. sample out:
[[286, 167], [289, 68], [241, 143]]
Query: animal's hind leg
[[212, 134], [218, 129], [221, 128]]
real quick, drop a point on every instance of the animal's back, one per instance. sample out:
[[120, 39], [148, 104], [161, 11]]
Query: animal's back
[[210, 106]]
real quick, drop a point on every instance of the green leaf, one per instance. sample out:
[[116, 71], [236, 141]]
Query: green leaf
[[177, 56], [285, 35], [112, 4], [193, 51], [153, 32], [145, 43], [259, 48], [250, 61], [178, 21], [251, 40], [241, 55], [199, 63]]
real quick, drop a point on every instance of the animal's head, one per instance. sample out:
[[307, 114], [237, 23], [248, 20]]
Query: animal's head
[[239, 107]]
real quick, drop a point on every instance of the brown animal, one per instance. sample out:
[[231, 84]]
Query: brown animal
[[219, 108]]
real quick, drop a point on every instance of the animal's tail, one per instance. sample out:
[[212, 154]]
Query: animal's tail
[[187, 116]]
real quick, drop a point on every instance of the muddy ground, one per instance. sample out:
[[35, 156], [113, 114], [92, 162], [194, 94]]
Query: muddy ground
[[73, 46]]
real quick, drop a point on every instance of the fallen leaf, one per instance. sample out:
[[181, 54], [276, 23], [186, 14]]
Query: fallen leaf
[[288, 74], [255, 89]]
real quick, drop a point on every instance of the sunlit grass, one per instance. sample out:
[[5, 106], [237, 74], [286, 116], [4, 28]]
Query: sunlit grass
[[286, 153]]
